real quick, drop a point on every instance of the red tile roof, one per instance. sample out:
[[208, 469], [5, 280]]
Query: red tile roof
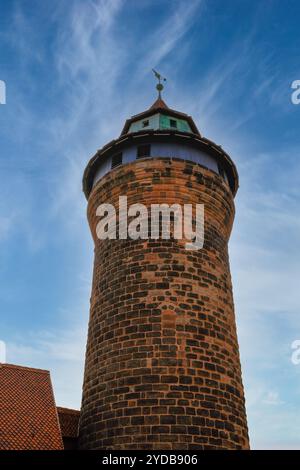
[[28, 416], [68, 420]]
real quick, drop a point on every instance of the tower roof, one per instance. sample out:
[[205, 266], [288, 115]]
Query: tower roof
[[163, 125], [158, 104], [165, 117]]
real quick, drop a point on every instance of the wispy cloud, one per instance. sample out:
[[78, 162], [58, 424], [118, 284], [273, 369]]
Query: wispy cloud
[[5, 226], [273, 399], [59, 351], [168, 36]]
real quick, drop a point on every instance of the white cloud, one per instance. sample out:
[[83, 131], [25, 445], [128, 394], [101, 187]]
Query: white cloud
[[273, 399], [167, 36], [59, 351], [6, 223]]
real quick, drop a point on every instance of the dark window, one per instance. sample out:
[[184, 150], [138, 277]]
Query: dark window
[[143, 151], [116, 160], [146, 123], [173, 123], [221, 170]]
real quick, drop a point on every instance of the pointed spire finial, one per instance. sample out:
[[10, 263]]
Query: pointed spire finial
[[160, 79]]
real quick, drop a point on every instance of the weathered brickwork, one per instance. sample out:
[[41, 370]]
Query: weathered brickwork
[[162, 363]]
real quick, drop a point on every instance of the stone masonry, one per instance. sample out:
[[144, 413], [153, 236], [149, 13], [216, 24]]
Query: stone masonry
[[162, 362]]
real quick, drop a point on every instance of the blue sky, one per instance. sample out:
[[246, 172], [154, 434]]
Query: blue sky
[[74, 71]]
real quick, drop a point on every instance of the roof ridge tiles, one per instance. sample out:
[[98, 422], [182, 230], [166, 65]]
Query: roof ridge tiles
[[31, 369]]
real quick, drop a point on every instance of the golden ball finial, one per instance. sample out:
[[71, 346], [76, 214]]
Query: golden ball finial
[[159, 86]]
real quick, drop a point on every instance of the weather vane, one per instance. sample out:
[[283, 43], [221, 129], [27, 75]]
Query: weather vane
[[160, 79]]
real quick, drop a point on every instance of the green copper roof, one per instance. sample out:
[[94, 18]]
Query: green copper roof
[[160, 117], [160, 122]]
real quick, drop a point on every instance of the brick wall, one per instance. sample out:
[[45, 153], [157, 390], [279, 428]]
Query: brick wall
[[162, 363]]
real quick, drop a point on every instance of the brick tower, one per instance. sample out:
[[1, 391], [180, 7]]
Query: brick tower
[[162, 366]]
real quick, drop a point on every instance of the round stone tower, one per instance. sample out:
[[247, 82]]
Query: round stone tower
[[162, 366]]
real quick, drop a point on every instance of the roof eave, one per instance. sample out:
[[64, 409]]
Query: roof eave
[[216, 149], [165, 111]]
